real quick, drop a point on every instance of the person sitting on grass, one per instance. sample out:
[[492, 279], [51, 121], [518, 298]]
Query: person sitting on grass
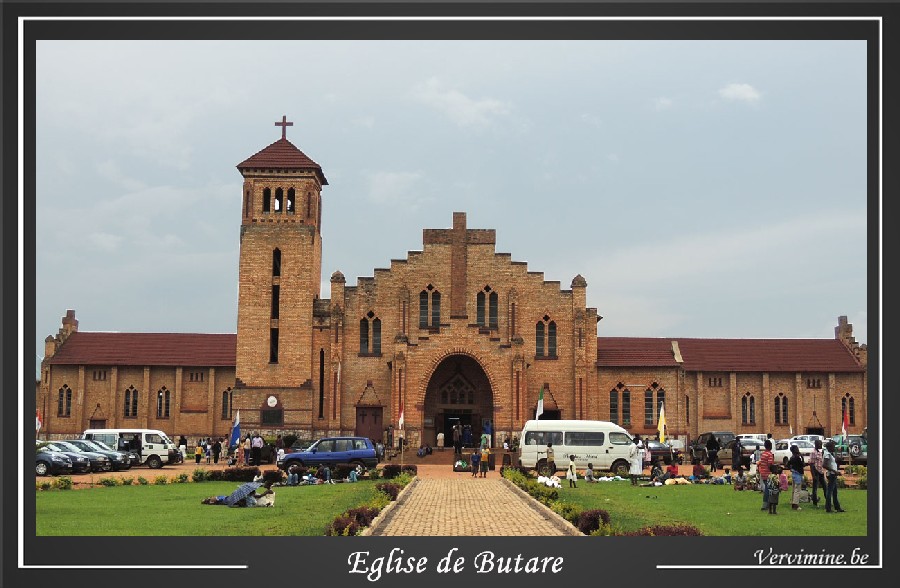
[[699, 474], [589, 473], [740, 480]]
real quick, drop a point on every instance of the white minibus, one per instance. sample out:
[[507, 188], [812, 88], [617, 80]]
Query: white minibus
[[153, 446], [603, 444]]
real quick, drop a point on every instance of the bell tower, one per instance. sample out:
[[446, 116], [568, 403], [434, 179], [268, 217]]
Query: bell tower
[[280, 265]]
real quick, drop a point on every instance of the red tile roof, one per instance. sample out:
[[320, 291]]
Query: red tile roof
[[729, 355], [148, 349], [280, 155]]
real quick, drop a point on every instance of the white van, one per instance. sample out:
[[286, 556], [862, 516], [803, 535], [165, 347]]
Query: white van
[[603, 444], [152, 445]]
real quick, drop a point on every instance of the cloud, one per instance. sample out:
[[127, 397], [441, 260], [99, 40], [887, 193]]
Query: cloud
[[662, 103], [740, 92], [592, 120], [394, 188], [464, 111]]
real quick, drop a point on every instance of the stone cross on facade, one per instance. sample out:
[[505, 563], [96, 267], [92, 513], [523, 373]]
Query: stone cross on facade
[[459, 238], [284, 124]]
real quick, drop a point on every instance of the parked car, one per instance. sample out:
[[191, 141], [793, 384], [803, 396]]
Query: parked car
[[749, 445], [80, 462], [356, 451], [118, 460], [782, 450], [698, 447], [810, 438], [661, 450], [98, 461], [51, 463], [758, 436], [854, 448], [133, 458]]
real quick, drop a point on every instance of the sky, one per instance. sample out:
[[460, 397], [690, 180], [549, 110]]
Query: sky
[[702, 188]]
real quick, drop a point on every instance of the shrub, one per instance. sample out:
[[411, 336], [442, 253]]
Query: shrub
[[388, 488], [128, 481], [341, 471], [342, 525], [379, 501], [200, 475], [592, 520], [566, 510], [363, 515], [235, 474], [411, 469], [374, 474], [181, 478], [606, 531], [160, 480], [667, 531], [403, 479], [276, 476], [862, 478], [142, 481], [543, 494], [108, 482], [44, 485], [515, 476], [63, 483], [390, 471]]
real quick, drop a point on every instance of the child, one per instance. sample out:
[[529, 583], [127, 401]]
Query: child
[[774, 488], [740, 480], [476, 457], [782, 480], [589, 473], [485, 460], [198, 453], [570, 473]]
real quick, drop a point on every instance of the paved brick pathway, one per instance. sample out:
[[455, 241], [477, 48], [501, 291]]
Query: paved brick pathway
[[443, 506]]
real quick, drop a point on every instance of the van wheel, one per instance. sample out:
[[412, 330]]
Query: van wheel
[[620, 467], [543, 469], [154, 462]]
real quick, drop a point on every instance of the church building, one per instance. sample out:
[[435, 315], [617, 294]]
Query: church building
[[455, 333]]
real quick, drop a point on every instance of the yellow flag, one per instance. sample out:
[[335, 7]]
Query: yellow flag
[[661, 426]]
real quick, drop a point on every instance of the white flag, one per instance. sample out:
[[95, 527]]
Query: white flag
[[540, 405], [661, 425], [400, 421]]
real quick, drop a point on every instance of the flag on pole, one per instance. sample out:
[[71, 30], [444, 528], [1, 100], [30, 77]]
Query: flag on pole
[[38, 422], [845, 424], [400, 422], [791, 430], [661, 425], [235, 430], [339, 374], [540, 405]]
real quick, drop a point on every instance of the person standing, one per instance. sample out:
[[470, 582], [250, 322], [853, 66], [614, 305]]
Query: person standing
[[796, 464], [256, 446], [551, 459], [182, 447], [217, 450], [764, 469], [829, 463], [736, 456], [198, 452], [484, 462], [774, 489], [571, 474], [712, 452], [817, 472], [208, 449], [440, 441], [457, 441], [636, 461], [247, 448], [476, 459]]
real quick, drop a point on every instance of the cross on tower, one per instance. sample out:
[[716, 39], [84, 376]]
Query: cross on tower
[[284, 124]]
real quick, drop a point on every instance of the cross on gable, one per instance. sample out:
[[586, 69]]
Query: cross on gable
[[284, 124]]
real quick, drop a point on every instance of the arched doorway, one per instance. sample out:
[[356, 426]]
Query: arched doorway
[[458, 392]]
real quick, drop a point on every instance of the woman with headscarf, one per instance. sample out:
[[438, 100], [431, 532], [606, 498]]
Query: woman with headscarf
[[636, 459]]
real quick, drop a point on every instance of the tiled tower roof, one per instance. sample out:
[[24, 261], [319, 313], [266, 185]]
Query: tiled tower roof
[[282, 154]]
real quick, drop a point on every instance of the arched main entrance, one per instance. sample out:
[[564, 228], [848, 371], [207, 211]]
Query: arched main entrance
[[458, 392]]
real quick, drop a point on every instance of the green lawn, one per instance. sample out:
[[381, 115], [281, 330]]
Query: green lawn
[[175, 510], [717, 509]]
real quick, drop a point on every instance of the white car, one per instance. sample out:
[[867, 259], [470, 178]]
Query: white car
[[782, 450], [810, 438]]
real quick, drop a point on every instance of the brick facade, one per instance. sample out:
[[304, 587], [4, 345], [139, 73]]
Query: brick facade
[[346, 364]]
